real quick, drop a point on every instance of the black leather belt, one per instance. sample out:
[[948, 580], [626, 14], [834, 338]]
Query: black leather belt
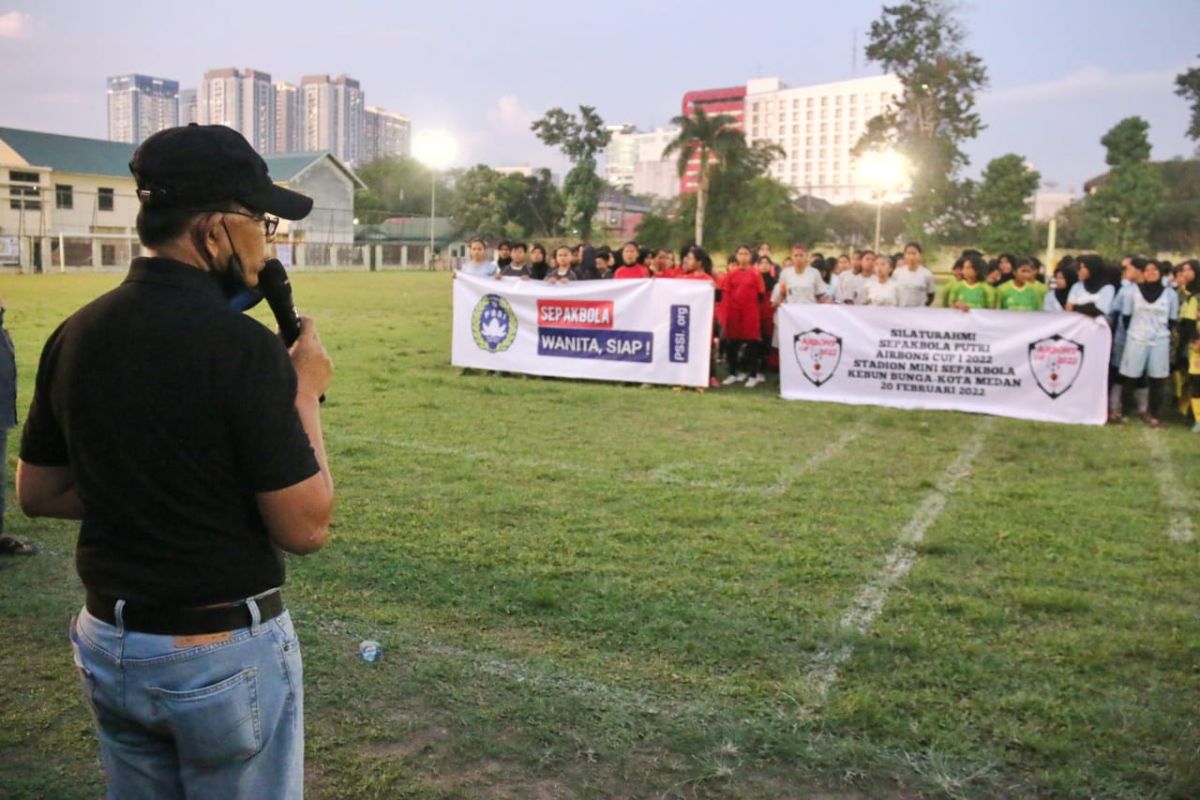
[[183, 621]]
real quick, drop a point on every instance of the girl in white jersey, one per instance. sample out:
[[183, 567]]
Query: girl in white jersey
[[1150, 314], [915, 284]]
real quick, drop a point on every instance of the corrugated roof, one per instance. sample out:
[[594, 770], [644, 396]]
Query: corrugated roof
[[99, 157], [70, 153], [288, 166]]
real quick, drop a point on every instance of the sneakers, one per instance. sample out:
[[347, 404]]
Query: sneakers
[[713, 382], [732, 379], [756, 380]]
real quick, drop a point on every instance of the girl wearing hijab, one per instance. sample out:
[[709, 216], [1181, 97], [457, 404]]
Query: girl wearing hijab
[[1150, 314], [586, 269], [1064, 278], [537, 262], [1131, 276], [1187, 281], [1093, 294]]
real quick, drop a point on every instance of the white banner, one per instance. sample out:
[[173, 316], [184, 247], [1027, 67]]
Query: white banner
[[1032, 365], [644, 331]]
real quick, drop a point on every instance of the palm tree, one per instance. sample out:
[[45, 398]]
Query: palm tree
[[715, 140]]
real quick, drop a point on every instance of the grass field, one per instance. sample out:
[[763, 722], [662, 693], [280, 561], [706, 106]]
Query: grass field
[[589, 590]]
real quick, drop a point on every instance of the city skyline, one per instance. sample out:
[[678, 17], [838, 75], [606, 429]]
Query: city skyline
[[1055, 87], [276, 117]]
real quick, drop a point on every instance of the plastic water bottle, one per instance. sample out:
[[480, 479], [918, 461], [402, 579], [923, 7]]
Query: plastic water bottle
[[370, 650]]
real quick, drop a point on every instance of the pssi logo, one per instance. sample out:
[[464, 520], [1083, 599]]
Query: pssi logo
[[1055, 362], [494, 325], [818, 353]]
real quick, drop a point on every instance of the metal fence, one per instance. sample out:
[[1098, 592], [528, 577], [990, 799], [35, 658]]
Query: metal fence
[[111, 251]]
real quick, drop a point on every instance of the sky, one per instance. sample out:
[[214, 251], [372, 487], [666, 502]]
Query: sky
[[1061, 72]]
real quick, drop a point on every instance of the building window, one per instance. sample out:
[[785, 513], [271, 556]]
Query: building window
[[853, 99], [64, 196], [837, 100], [824, 101], [104, 199], [24, 197]]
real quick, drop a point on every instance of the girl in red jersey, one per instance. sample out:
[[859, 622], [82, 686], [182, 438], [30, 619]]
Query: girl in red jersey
[[631, 267], [742, 291], [696, 265]]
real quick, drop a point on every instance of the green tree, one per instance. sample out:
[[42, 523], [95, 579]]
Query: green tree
[[540, 207], [854, 223], [580, 139], [1119, 212], [1003, 201], [713, 140], [1176, 226], [921, 43], [1187, 86], [398, 186], [482, 202]]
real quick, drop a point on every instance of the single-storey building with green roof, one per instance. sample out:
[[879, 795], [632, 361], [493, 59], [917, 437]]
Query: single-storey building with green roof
[[70, 201]]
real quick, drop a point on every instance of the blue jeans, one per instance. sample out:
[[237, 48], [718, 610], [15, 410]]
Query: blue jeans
[[177, 719]]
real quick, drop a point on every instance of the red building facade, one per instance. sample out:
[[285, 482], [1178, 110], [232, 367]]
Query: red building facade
[[730, 100]]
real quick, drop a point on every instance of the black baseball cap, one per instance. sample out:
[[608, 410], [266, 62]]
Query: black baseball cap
[[198, 166]]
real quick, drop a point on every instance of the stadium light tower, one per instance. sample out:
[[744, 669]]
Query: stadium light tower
[[885, 171], [436, 150]]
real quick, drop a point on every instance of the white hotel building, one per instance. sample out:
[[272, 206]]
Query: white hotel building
[[817, 127]]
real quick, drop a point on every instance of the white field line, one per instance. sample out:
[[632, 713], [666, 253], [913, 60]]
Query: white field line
[[668, 473], [664, 474], [1180, 527], [869, 602], [404, 646]]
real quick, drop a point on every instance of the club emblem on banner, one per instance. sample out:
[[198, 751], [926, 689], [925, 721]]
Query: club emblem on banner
[[818, 353], [494, 325], [1055, 362]]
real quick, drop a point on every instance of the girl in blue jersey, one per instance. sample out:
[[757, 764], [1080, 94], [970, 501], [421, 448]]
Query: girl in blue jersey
[[1150, 314]]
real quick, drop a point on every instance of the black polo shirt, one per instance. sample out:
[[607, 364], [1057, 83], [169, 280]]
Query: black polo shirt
[[171, 411]]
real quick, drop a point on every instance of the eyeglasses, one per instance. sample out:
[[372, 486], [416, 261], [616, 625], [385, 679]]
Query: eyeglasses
[[269, 223]]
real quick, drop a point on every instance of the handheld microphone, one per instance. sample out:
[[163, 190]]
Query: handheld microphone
[[277, 290]]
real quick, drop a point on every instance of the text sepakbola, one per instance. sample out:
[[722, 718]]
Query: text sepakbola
[[953, 336]]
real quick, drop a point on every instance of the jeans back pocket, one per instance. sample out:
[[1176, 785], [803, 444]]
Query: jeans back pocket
[[217, 724]]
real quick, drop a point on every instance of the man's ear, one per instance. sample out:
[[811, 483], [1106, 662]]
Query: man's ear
[[211, 236]]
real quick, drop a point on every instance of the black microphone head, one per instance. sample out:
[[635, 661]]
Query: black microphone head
[[277, 289]]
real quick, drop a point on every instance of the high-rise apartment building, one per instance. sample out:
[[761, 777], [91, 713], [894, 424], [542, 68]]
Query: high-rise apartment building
[[333, 116], [241, 99], [189, 109], [287, 118], [258, 110], [219, 98], [139, 105], [386, 134]]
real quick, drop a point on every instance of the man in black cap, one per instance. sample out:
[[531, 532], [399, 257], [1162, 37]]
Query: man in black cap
[[187, 439]]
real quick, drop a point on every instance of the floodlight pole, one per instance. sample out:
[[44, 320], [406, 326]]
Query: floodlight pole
[[878, 218], [432, 209]]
